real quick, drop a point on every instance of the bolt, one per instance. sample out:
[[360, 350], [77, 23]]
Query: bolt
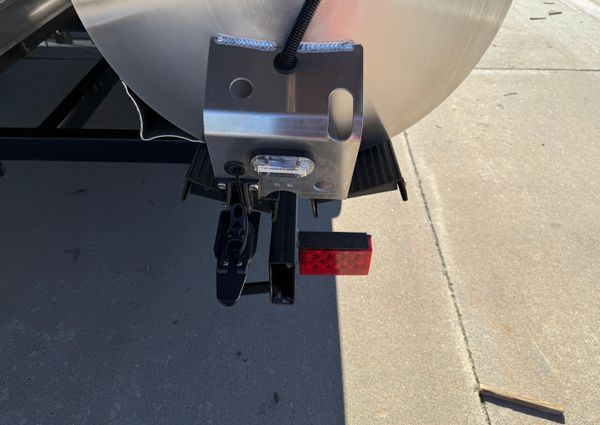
[[222, 186], [240, 263], [277, 184], [225, 263], [253, 188]]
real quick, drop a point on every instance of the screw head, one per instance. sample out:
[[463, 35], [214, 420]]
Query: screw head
[[222, 186], [253, 188]]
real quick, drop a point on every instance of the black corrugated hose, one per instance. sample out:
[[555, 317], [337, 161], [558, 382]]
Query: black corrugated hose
[[286, 60]]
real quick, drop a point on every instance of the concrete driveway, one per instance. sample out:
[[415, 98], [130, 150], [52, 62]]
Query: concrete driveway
[[488, 275]]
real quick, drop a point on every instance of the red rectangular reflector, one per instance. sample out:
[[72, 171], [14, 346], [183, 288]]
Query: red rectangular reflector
[[351, 256]]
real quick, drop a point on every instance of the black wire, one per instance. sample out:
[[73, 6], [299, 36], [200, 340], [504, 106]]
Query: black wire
[[286, 60]]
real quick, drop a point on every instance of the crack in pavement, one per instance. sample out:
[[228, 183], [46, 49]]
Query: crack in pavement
[[447, 277]]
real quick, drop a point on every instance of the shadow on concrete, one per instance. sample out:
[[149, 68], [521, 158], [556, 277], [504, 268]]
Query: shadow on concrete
[[108, 311]]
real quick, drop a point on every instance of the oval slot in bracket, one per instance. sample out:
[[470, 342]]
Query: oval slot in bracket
[[341, 114]]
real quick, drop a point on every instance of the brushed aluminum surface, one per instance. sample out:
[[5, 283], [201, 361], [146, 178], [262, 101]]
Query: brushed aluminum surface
[[276, 114], [416, 52]]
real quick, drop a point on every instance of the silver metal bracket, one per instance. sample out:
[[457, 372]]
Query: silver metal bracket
[[297, 132]]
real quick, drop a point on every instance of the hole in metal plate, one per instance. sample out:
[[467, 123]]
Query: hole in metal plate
[[341, 114], [324, 186], [241, 88]]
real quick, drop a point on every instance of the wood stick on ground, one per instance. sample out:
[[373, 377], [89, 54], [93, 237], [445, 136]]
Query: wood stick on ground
[[542, 406]]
